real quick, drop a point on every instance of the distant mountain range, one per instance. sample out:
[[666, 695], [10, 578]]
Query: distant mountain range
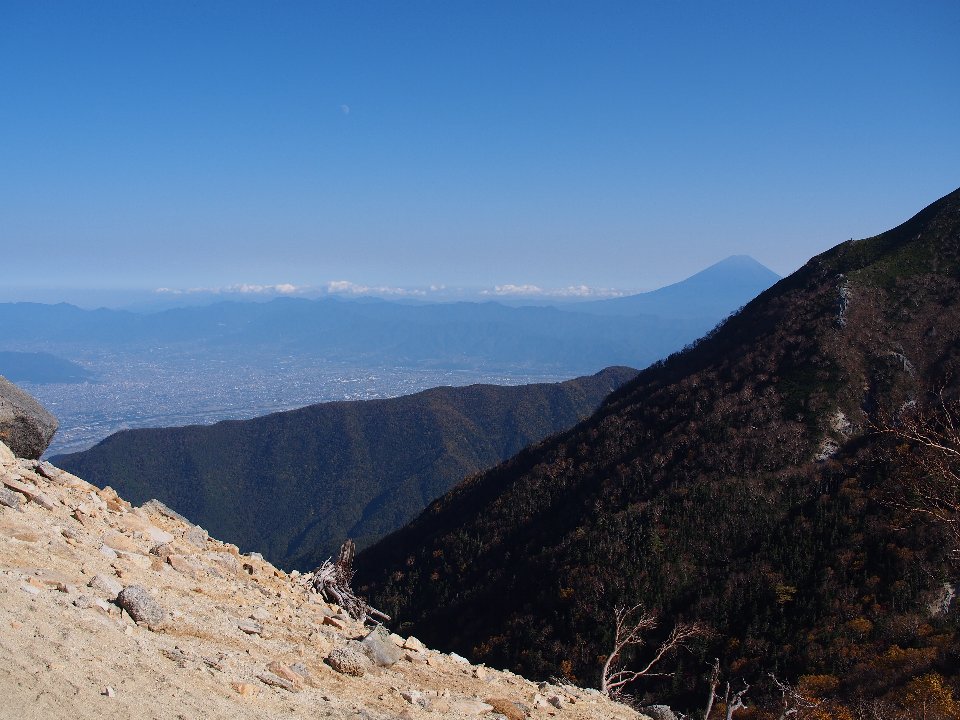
[[632, 331], [740, 483], [294, 485], [40, 367], [724, 286]]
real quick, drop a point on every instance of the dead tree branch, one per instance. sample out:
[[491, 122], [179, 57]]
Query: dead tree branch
[[630, 629], [332, 581], [735, 701], [929, 441], [793, 702]]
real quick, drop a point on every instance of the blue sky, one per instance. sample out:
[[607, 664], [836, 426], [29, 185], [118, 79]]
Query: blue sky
[[606, 144]]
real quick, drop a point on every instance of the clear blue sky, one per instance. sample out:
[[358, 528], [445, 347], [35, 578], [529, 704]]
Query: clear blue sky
[[612, 144]]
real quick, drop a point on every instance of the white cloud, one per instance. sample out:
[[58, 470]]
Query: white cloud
[[345, 287], [345, 109], [238, 288], [571, 291]]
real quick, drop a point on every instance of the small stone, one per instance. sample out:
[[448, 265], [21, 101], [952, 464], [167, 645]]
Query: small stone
[[508, 708], [196, 535], [141, 561], [13, 482], [45, 502], [140, 604], [50, 472], [459, 659], [268, 678], [416, 697], [109, 692], [261, 614], [119, 541], [108, 552], [380, 648], [334, 622], [411, 643], [244, 689], [250, 627], [348, 660], [467, 706], [480, 672], [108, 585], [6, 455], [9, 498], [555, 701], [185, 564], [30, 589]]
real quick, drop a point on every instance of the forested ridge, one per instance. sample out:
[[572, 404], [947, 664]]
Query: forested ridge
[[741, 483], [292, 485]]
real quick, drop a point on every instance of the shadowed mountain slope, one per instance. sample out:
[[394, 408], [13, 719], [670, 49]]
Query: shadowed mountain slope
[[737, 482], [293, 485]]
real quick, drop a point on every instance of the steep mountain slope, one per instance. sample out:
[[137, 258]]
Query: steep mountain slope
[[295, 484], [738, 482], [113, 612], [728, 284]]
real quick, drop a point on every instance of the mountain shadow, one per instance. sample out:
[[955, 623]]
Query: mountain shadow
[[293, 485], [738, 483]]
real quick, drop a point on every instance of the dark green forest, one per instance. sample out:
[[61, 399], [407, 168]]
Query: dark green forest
[[293, 485]]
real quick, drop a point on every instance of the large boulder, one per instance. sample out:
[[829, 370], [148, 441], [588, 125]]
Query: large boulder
[[25, 426]]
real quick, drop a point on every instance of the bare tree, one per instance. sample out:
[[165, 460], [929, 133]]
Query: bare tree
[[631, 627], [793, 702], [929, 440]]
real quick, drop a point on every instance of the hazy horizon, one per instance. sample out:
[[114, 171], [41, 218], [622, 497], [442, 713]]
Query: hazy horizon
[[621, 146]]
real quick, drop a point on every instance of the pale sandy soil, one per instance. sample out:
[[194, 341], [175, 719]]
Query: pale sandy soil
[[64, 643]]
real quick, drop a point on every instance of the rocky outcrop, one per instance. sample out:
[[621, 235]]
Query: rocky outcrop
[[25, 425], [111, 611]]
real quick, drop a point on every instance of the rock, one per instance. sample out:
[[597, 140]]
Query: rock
[[334, 622], [287, 672], [411, 643], [196, 535], [185, 564], [25, 426], [262, 614], [6, 456], [466, 706], [480, 672], [119, 541], [268, 678], [660, 712], [161, 509], [50, 472], [244, 689], [508, 708], [9, 498], [555, 701], [380, 648], [250, 627], [108, 552], [45, 502], [349, 660], [109, 692], [109, 586], [140, 604], [416, 697]]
